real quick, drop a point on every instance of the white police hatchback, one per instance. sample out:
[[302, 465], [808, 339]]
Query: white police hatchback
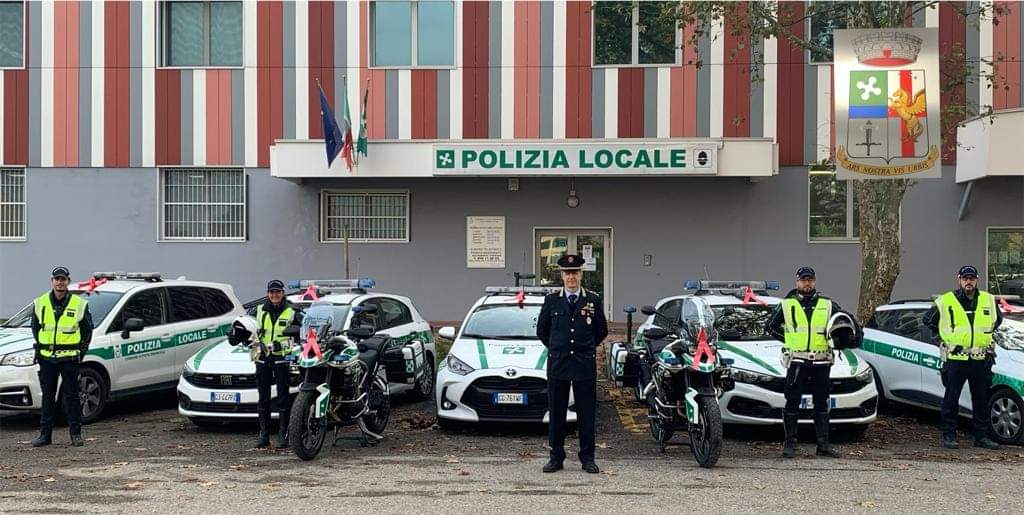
[[144, 330], [218, 382], [496, 370]]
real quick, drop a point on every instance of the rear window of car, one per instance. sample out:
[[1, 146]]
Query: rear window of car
[[217, 302], [745, 322], [187, 303]]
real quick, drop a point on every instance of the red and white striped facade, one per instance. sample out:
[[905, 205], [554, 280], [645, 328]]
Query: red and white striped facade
[[92, 94]]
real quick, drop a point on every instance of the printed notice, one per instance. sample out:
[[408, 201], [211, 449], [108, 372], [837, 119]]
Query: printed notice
[[485, 242]]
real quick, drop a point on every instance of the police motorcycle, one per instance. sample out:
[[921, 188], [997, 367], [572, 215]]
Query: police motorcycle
[[680, 377], [344, 381]]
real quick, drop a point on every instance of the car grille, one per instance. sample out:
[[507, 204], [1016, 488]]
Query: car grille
[[840, 386], [480, 394], [222, 381], [759, 409], [218, 407]]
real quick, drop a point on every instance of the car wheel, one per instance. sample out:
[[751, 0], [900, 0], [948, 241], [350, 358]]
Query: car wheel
[[93, 392], [1005, 416], [883, 403], [424, 388]]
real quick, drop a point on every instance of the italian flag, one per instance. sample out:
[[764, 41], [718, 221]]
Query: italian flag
[[346, 120]]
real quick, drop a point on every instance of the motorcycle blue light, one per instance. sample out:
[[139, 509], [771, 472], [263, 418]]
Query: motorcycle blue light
[[629, 308]]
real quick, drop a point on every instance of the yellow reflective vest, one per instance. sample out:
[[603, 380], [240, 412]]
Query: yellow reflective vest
[[803, 335], [956, 329], [59, 338], [270, 331]]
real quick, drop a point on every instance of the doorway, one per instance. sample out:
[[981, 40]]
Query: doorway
[[594, 244]]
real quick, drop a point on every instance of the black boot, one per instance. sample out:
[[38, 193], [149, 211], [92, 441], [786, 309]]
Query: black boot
[[282, 431], [44, 438], [263, 438], [790, 425], [821, 426]]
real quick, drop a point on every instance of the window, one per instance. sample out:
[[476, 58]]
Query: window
[[199, 34], [187, 303], [825, 20], [1006, 261], [203, 204], [394, 313], [12, 204], [635, 33], [147, 305], [908, 323], [365, 216], [668, 314], [217, 303], [372, 320], [413, 34], [12, 34], [832, 204]]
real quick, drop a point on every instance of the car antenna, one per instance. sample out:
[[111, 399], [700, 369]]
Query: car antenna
[[707, 276]]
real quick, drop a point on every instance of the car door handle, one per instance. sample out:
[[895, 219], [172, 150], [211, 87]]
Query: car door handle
[[165, 337], [211, 328]]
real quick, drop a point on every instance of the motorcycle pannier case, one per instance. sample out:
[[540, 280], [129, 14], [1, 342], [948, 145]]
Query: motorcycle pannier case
[[623, 365], [405, 364]]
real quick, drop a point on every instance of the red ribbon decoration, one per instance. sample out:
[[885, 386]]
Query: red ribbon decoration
[[749, 296], [311, 346], [90, 285], [310, 293], [703, 350], [1009, 308], [521, 298]]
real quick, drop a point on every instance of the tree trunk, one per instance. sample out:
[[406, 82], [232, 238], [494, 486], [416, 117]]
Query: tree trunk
[[878, 202]]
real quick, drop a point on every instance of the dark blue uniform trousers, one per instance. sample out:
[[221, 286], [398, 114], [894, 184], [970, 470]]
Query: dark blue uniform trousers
[[585, 395], [978, 375], [67, 370], [272, 371]]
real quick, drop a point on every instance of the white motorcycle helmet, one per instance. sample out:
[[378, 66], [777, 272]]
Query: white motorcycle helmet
[[243, 330], [843, 332]]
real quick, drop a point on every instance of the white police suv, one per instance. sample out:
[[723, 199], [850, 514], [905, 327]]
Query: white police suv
[[741, 310], [145, 329], [905, 355], [496, 369], [219, 381]]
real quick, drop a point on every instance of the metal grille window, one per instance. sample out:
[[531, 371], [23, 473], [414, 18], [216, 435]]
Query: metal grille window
[[202, 204], [12, 204], [367, 216]]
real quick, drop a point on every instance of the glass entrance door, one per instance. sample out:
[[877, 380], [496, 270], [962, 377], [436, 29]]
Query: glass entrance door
[[593, 244]]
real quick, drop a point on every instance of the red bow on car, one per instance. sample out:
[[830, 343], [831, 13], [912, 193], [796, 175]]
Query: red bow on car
[[91, 284]]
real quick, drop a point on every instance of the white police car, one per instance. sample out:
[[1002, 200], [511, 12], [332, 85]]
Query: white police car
[[741, 310], [144, 330], [905, 355], [219, 381], [496, 370]]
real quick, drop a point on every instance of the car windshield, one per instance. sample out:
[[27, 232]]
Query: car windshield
[[100, 304], [742, 322], [503, 322], [1010, 334]]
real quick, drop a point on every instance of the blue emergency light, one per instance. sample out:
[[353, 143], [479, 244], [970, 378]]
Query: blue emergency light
[[731, 285], [361, 283]]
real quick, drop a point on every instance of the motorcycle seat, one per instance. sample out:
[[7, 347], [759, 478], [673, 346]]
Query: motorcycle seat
[[373, 346]]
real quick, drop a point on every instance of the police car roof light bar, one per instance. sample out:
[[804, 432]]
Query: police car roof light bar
[[128, 276], [334, 284], [529, 290], [731, 285]]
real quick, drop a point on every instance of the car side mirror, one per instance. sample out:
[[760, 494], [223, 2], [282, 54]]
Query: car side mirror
[[132, 325], [291, 331], [648, 310], [655, 333], [447, 332]]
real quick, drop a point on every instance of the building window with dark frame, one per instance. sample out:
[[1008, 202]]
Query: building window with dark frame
[[823, 23], [1006, 260], [202, 204], [364, 216], [635, 34], [412, 34], [12, 204], [832, 208], [12, 34], [200, 34]]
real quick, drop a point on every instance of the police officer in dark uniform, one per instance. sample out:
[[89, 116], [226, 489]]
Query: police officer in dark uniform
[[62, 329], [571, 325], [272, 317], [964, 320], [801, 322]]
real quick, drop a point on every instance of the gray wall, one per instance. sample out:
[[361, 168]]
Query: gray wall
[[106, 219]]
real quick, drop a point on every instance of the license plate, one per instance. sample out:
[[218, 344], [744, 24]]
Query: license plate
[[510, 398], [807, 402], [234, 397]]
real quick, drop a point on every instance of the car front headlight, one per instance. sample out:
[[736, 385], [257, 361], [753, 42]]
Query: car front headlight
[[865, 376], [746, 376], [22, 358], [458, 366]]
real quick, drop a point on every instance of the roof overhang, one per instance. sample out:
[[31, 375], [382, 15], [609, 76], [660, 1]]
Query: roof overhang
[[709, 157], [988, 146]]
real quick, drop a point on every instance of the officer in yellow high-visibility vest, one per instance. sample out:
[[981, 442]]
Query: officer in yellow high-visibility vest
[[801, 321], [964, 321], [272, 317], [62, 329]]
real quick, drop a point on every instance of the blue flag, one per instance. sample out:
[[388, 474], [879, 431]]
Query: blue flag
[[332, 133]]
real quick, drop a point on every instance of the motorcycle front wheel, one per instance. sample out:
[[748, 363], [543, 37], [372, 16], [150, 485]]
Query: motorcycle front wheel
[[306, 433], [706, 437]]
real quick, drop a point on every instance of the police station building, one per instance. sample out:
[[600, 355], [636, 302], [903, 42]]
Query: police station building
[[186, 138]]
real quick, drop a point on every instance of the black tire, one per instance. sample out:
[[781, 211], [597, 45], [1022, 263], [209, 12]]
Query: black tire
[[306, 434], [448, 424], [424, 388], [706, 444], [205, 423], [883, 403], [380, 404], [660, 431], [1006, 414], [93, 392]]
